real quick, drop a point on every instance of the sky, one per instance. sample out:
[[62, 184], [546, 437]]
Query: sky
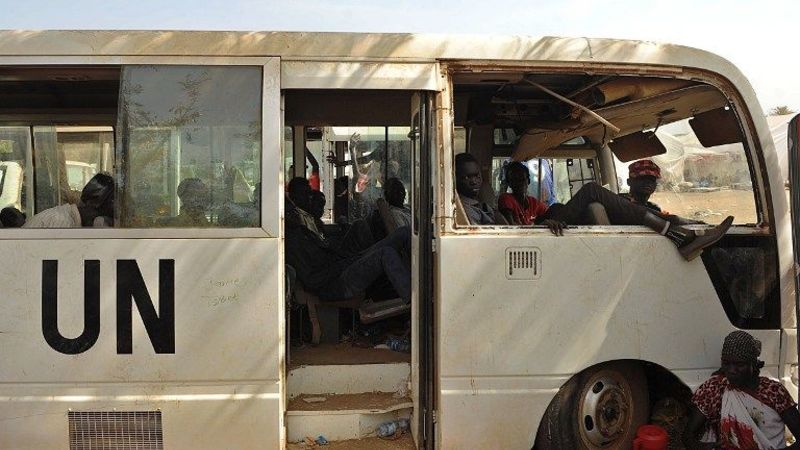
[[754, 35]]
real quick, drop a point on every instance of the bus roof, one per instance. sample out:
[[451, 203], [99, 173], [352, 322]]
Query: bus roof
[[357, 46]]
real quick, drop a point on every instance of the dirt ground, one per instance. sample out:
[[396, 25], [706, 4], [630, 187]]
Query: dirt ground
[[373, 443], [710, 207]]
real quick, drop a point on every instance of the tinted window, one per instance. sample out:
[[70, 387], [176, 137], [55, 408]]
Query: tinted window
[[190, 146]]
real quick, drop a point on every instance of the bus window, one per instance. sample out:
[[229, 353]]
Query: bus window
[[190, 147], [700, 183]]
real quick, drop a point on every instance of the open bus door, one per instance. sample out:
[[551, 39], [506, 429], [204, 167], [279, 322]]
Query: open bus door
[[793, 138], [422, 241]]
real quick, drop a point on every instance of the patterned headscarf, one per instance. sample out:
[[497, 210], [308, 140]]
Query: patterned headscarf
[[741, 346]]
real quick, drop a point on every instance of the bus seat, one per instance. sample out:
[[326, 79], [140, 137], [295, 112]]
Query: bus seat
[[461, 215], [597, 214], [318, 315], [371, 311], [368, 312]]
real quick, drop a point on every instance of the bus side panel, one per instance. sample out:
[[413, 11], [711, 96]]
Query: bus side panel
[[218, 388], [506, 346]]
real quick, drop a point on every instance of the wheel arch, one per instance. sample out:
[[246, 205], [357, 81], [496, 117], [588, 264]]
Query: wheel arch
[[661, 383]]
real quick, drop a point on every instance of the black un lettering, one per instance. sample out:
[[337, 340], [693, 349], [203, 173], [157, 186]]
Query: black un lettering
[[131, 288]]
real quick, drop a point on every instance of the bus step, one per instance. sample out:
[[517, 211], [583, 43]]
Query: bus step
[[343, 416]]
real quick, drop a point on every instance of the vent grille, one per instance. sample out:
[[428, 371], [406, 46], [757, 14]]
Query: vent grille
[[115, 430], [523, 263]]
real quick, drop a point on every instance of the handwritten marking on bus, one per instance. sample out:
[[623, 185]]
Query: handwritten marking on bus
[[131, 288]]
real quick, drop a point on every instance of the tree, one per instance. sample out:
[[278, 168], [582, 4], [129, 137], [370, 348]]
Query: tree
[[780, 111]]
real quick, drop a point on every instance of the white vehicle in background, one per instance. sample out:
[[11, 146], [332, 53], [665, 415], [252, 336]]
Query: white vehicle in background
[[10, 184], [518, 338], [79, 173]]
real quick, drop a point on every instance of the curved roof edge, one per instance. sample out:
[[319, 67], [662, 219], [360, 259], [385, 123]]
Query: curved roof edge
[[352, 45]]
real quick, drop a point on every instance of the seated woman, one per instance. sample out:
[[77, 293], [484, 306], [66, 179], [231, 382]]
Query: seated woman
[[518, 207], [739, 409]]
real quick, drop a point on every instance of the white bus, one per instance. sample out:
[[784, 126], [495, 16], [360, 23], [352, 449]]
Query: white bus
[[518, 338]]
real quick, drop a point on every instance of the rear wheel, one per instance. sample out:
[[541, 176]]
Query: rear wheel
[[600, 408]]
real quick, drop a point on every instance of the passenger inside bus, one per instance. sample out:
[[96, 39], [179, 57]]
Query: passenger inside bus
[[331, 273], [395, 194], [95, 208], [468, 186], [618, 210], [11, 217], [195, 198], [518, 207]]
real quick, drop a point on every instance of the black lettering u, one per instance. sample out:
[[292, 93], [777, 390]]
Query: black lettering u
[[91, 308]]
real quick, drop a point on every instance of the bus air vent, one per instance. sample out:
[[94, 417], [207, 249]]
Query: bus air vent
[[115, 430], [523, 263]]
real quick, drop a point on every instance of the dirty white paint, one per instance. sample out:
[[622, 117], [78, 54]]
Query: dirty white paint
[[509, 345], [227, 360]]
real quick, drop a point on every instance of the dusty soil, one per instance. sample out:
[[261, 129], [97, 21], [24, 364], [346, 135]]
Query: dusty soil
[[377, 401], [373, 443], [344, 353], [711, 207]]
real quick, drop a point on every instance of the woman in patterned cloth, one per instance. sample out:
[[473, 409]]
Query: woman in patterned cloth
[[740, 409]]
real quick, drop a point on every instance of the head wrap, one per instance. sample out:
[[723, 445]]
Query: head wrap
[[741, 346], [644, 167]]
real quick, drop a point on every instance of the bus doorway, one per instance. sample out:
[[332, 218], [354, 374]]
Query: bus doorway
[[348, 252]]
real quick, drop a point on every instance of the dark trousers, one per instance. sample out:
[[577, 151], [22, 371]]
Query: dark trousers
[[390, 257], [620, 211]]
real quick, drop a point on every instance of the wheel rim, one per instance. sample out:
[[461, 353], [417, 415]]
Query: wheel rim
[[605, 412]]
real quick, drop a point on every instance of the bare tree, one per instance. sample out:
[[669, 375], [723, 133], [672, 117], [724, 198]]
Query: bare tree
[[780, 111]]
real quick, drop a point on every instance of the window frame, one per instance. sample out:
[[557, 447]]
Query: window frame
[[271, 152], [754, 153]]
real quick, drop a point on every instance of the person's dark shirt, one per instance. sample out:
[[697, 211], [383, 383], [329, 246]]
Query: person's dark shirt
[[317, 264], [649, 205]]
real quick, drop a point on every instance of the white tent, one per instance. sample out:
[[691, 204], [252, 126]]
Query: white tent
[[778, 127]]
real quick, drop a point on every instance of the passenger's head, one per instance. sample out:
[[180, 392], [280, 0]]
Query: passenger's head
[[468, 175], [11, 217], [643, 176], [740, 363], [98, 196], [394, 192], [317, 204], [518, 177], [300, 193], [194, 194]]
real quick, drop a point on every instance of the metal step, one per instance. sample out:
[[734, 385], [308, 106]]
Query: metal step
[[343, 416], [348, 379]]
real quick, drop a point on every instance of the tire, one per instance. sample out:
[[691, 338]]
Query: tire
[[599, 408]]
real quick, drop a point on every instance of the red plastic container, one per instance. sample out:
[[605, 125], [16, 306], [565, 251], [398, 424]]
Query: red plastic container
[[651, 437]]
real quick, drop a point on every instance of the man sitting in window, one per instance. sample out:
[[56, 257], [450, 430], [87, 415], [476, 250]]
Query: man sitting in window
[[331, 273], [95, 208], [643, 177], [620, 211]]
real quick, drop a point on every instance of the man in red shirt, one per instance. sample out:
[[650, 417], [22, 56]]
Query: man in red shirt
[[518, 207]]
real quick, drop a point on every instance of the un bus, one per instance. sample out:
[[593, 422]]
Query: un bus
[[165, 333]]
